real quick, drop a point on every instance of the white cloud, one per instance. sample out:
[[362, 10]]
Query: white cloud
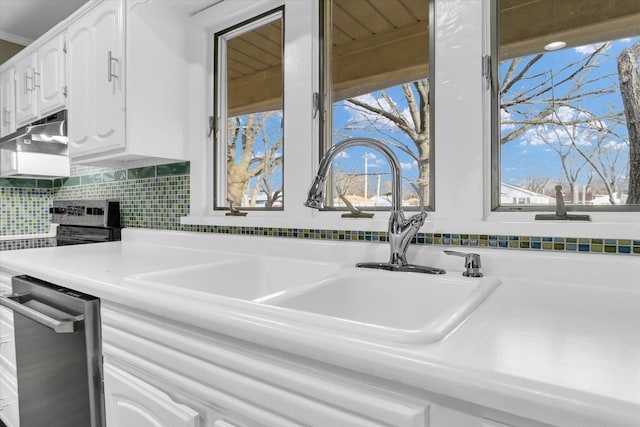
[[615, 145], [376, 164], [358, 114], [505, 116], [582, 135], [342, 155], [409, 165], [589, 48]]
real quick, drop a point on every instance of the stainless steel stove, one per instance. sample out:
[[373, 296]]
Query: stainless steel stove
[[80, 221], [86, 221]]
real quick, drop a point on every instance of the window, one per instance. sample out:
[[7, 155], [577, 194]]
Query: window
[[376, 66], [249, 114], [567, 83]]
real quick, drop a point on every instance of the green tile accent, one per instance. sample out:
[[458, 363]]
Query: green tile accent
[[173, 169], [91, 179], [45, 183], [18, 182], [610, 249], [597, 248], [144, 172], [71, 181], [114, 175]]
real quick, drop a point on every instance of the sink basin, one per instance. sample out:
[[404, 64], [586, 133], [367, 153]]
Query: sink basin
[[390, 306], [250, 278]]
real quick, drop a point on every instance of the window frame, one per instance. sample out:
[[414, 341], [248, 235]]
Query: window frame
[[325, 106], [495, 131], [220, 98]]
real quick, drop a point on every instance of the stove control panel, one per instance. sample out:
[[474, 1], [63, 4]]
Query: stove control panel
[[95, 213]]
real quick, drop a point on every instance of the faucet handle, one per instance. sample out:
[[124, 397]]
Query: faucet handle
[[471, 263]]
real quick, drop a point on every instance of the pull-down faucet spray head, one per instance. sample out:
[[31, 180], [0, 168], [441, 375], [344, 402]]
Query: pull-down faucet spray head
[[315, 199]]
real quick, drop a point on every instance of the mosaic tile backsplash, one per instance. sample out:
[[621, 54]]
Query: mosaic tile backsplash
[[155, 197]]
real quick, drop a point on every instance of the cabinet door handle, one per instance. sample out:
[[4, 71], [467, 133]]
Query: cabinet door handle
[[27, 77], [36, 81], [110, 61]]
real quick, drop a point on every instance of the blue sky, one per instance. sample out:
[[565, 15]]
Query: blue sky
[[529, 155]]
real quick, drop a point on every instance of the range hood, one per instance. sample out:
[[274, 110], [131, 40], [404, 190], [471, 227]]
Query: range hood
[[37, 150]]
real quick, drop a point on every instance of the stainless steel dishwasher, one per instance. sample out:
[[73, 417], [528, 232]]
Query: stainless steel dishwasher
[[58, 355]]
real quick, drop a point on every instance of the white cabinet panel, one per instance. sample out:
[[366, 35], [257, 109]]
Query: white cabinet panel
[[9, 404], [127, 83], [7, 101], [26, 101], [447, 417], [96, 88], [50, 76], [130, 402], [248, 388], [40, 81]]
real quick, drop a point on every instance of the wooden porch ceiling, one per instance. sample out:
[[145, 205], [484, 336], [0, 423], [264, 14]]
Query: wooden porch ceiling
[[381, 43]]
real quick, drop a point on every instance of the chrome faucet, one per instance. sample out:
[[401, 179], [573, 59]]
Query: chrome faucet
[[401, 229]]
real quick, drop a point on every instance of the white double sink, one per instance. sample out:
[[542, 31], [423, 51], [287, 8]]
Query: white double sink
[[376, 305]]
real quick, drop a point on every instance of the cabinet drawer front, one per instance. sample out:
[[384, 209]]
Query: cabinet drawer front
[[5, 281], [9, 404], [249, 386], [7, 350]]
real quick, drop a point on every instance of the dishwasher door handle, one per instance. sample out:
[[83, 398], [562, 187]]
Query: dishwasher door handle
[[66, 326]]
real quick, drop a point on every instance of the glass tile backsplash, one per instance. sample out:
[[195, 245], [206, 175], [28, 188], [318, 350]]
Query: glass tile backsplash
[[155, 197]]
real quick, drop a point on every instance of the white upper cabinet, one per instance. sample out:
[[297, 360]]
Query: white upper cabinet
[[96, 87], [127, 94], [26, 100], [40, 81], [50, 76], [7, 101]]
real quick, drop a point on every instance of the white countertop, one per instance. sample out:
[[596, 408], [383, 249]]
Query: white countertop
[[561, 351]]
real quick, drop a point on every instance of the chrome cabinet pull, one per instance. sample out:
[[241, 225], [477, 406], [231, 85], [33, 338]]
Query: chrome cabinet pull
[[110, 61], [27, 77], [36, 81], [66, 326]]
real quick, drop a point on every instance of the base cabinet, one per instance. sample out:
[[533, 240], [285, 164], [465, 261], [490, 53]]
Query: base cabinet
[[232, 385], [130, 402], [8, 377], [447, 417]]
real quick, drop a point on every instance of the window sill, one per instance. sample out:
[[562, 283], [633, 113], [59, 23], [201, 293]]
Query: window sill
[[314, 220]]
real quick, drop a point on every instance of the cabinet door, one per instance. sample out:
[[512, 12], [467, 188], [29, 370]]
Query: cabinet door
[[26, 101], [49, 78], [96, 81], [7, 101], [447, 417], [130, 402]]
